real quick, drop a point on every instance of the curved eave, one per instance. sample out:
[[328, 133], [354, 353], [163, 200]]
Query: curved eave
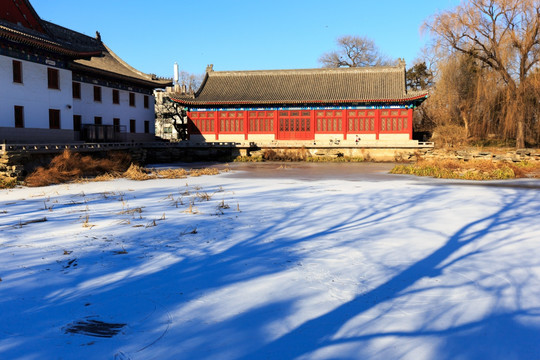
[[194, 103], [45, 44], [116, 76]]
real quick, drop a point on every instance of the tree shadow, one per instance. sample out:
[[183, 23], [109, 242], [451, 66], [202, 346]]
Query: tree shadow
[[240, 258]]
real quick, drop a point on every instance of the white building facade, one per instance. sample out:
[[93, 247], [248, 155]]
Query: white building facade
[[59, 86]]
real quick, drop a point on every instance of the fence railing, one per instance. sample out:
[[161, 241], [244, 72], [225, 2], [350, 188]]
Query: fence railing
[[45, 148]]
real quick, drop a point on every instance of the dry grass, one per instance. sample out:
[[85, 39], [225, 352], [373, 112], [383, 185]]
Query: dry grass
[[173, 173], [7, 182], [136, 172], [295, 155], [71, 166], [205, 171], [469, 170], [203, 196], [286, 155]]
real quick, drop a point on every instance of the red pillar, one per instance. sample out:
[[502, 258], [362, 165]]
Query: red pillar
[[410, 123], [276, 129], [377, 123], [344, 124], [216, 124], [312, 123], [246, 127]]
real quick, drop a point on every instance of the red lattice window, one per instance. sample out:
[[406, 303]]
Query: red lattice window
[[361, 121], [203, 121], [261, 121], [231, 122], [394, 120], [329, 121]]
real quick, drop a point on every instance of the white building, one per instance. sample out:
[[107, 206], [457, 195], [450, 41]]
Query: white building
[[57, 85]]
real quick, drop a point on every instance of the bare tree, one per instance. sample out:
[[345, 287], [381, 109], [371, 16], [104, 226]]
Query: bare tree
[[191, 81], [354, 51], [503, 35], [171, 113]]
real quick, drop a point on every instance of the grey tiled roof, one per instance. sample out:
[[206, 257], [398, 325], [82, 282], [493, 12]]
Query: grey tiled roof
[[340, 85], [111, 64], [89, 54]]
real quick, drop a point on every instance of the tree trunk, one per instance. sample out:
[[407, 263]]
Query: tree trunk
[[466, 123], [520, 135]]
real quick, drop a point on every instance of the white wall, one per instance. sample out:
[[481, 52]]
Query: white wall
[[34, 95], [88, 108]]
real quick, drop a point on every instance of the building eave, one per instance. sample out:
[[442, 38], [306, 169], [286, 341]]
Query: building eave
[[41, 43], [195, 103]]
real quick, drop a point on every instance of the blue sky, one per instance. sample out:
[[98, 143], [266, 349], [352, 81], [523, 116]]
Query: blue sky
[[242, 35]]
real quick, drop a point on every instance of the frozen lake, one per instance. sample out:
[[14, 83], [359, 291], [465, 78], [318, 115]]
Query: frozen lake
[[272, 261]]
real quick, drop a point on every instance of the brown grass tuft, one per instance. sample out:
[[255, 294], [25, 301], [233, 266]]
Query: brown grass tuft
[[7, 182], [135, 172], [70, 166], [173, 173], [469, 170], [205, 171]]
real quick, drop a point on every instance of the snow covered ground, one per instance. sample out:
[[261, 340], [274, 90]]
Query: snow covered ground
[[271, 266]]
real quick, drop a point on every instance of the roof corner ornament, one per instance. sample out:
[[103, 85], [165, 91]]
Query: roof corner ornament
[[98, 36], [401, 62], [209, 68]]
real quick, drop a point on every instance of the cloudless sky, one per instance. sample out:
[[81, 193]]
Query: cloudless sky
[[242, 35]]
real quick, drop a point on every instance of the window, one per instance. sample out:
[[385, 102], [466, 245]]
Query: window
[[132, 125], [98, 120], [17, 72], [131, 99], [97, 93], [116, 123], [76, 90], [146, 127], [231, 122], [54, 119], [77, 122], [115, 97], [53, 78], [146, 103], [19, 116]]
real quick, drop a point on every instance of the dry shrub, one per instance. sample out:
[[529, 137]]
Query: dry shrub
[[450, 136], [7, 182], [70, 166]]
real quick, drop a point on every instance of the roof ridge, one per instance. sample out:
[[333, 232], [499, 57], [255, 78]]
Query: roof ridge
[[364, 69]]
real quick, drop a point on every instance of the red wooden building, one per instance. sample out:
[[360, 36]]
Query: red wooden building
[[342, 104]]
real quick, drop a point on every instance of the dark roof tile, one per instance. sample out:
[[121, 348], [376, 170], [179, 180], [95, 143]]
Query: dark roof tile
[[369, 84]]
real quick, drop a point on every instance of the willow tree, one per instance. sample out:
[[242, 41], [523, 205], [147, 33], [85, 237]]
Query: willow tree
[[503, 35]]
